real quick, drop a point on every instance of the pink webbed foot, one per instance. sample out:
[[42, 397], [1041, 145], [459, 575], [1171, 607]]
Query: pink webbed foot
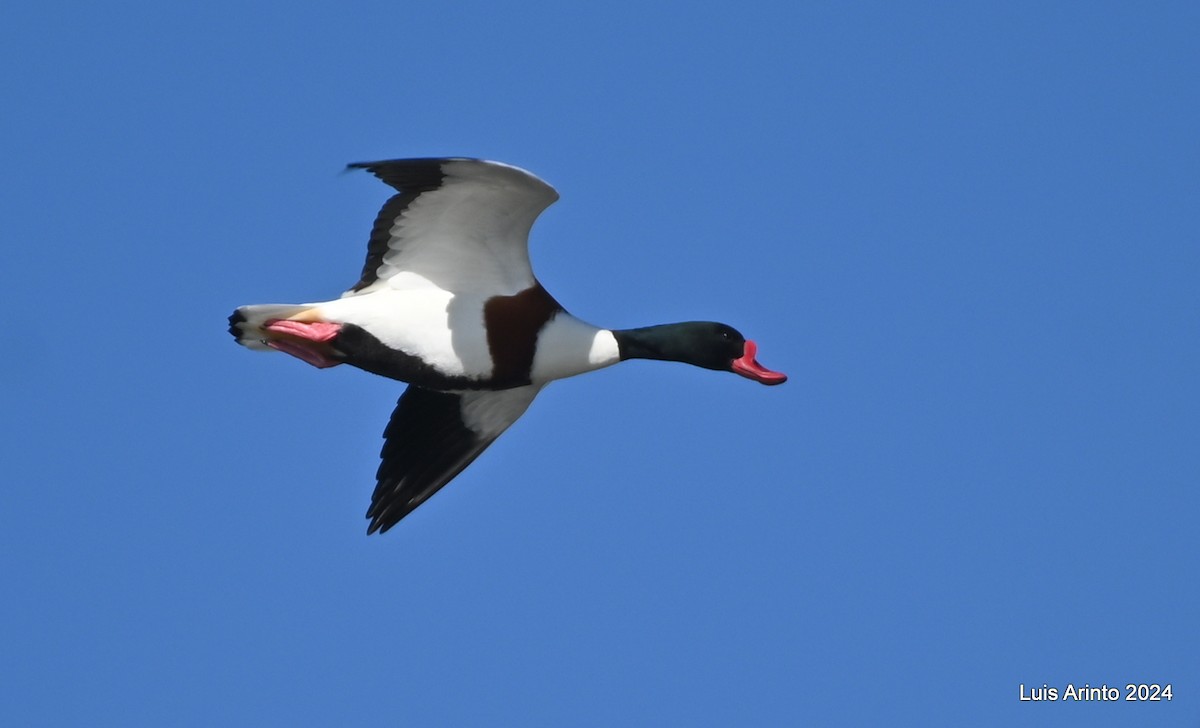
[[318, 331], [308, 342]]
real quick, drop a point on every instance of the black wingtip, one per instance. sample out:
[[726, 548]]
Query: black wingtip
[[372, 167], [409, 162], [382, 163], [406, 174], [378, 525], [383, 517]]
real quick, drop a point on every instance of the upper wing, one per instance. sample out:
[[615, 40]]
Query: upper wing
[[460, 224], [431, 437]]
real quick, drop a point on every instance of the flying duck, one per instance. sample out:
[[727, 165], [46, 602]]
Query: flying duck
[[448, 303]]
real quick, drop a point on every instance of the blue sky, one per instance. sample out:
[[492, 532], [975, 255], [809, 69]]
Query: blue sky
[[967, 231]]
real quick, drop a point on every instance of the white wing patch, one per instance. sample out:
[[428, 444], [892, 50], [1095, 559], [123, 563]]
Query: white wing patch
[[490, 413], [469, 234]]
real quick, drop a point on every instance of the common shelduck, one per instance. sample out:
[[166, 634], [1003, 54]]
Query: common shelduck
[[448, 303]]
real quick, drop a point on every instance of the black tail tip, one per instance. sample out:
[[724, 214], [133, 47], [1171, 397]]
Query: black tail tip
[[234, 319]]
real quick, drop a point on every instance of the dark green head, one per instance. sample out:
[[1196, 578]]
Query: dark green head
[[700, 343]]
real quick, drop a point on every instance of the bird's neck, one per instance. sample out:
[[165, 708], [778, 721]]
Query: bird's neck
[[650, 342]]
